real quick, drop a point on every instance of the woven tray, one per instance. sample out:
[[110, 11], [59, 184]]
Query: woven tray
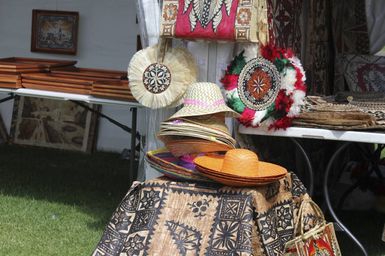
[[112, 89], [95, 74], [10, 80], [20, 64], [58, 83]]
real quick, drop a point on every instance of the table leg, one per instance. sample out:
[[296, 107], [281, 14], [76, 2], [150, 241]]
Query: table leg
[[327, 198], [133, 170], [310, 167], [10, 97]]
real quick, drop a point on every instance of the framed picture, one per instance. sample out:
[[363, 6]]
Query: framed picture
[[53, 124], [54, 31]]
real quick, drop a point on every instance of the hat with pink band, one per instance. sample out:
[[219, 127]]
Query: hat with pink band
[[204, 99]]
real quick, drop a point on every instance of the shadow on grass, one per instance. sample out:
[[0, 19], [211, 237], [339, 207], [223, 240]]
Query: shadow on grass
[[94, 183]]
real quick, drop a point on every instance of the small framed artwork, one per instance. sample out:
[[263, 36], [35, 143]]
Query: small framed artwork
[[54, 31]]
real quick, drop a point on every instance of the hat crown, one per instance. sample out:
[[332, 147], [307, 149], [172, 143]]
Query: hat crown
[[203, 98], [240, 162], [204, 90]]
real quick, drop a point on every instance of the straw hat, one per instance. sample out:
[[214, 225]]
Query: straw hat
[[240, 163], [231, 181], [164, 162], [187, 145], [213, 121], [157, 84], [203, 99]]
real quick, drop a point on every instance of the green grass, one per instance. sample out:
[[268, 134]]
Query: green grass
[[57, 202]]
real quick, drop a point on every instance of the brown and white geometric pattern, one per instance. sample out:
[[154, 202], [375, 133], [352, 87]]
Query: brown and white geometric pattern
[[163, 217]]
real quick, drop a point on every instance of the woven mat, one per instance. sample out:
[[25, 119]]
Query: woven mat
[[163, 217], [325, 112]]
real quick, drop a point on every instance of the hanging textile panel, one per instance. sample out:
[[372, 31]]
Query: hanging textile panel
[[319, 57], [229, 20], [350, 27], [285, 29]]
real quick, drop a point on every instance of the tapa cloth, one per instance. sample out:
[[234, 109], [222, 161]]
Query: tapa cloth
[[164, 217]]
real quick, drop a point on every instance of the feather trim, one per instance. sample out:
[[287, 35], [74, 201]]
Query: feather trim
[[259, 115], [288, 80]]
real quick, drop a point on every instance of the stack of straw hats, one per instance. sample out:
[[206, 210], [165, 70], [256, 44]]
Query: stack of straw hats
[[199, 146], [199, 127]]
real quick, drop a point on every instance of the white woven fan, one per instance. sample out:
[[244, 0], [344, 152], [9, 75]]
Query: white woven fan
[[158, 84]]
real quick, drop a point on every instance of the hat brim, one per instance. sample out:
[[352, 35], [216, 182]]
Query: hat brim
[[189, 146], [234, 182], [175, 174], [231, 177], [264, 170], [163, 161], [186, 112]]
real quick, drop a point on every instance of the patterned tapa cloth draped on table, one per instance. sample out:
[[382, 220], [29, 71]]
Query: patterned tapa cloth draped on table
[[163, 217]]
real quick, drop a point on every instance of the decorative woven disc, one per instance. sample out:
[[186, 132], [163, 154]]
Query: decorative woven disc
[[258, 84], [156, 78]]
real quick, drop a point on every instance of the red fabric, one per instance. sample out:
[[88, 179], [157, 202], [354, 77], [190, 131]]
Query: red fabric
[[225, 30]]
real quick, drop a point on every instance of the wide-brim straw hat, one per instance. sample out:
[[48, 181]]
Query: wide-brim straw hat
[[240, 163], [164, 162], [203, 99], [230, 181]]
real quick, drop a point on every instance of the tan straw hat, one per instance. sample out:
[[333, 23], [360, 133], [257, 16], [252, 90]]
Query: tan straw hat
[[203, 99], [180, 147], [240, 163]]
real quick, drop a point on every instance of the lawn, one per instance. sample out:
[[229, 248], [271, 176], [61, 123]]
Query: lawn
[[57, 202]]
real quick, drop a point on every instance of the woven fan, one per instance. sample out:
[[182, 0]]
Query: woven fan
[[157, 84]]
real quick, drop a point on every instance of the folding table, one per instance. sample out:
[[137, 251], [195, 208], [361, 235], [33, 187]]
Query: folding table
[[81, 100], [347, 137]]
